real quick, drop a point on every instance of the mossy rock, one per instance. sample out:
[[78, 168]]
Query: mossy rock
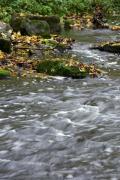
[[5, 45], [35, 27], [61, 47], [6, 29], [15, 22], [5, 37], [48, 24], [67, 24], [4, 73], [55, 28], [49, 19], [50, 42], [59, 68], [113, 47], [53, 21], [30, 26]]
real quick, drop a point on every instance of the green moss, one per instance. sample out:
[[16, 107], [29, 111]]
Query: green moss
[[4, 73], [60, 68], [35, 27], [15, 22], [113, 47], [67, 23]]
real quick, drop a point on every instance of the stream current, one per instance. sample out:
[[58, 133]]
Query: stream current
[[60, 128]]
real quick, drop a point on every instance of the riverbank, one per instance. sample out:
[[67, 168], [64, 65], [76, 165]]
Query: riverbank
[[26, 45], [31, 39], [34, 56]]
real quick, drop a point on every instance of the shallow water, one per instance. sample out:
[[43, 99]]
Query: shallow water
[[61, 128]]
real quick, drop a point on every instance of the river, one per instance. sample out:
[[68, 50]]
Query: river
[[60, 128]]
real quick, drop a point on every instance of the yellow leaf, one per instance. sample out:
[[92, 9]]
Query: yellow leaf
[[2, 55]]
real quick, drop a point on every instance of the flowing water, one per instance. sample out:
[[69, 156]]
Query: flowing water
[[60, 128]]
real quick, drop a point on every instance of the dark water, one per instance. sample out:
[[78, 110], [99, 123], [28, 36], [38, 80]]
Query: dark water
[[63, 129]]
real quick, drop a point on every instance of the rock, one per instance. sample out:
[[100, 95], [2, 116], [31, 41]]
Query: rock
[[5, 34], [35, 27], [35, 54], [67, 24], [15, 22], [5, 45], [5, 28], [55, 28], [53, 21], [62, 47], [59, 68], [36, 24], [113, 47], [29, 26]]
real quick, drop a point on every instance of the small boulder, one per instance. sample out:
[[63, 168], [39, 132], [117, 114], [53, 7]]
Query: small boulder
[[67, 24], [35, 27], [60, 68], [113, 47], [5, 28], [30, 26], [15, 22], [5, 40], [5, 44], [53, 21]]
